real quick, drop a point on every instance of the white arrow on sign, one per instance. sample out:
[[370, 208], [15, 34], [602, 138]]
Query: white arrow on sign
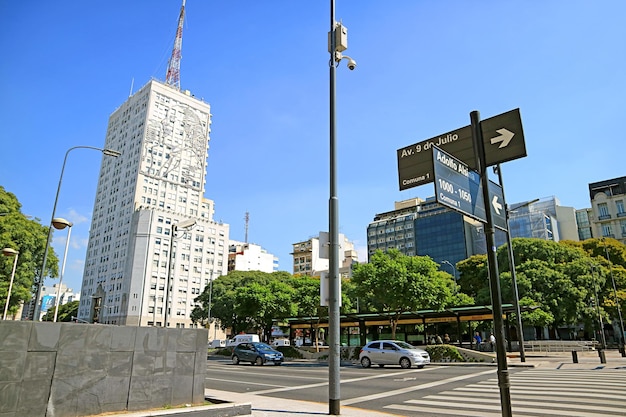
[[505, 137], [497, 206]]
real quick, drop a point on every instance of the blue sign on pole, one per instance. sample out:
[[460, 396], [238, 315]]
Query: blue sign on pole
[[459, 188]]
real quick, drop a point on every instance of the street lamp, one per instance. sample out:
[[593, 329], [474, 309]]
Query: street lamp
[[509, 244], [619, 310], [453, 268], [597, 302], [185, 225], [39, 282], [60, 224], [337, 43], [10, 252]]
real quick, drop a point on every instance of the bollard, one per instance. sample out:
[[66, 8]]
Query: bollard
[[602, 355], [574, 356], [622, 350]]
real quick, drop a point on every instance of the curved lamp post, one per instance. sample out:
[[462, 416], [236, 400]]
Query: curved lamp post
[[39, 281], [597, 302], [185, 225], [61, 224], [509, 245], [453, 268], [10, 252], [619, 310]]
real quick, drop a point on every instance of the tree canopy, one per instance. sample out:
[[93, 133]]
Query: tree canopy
[[561, 278], [395, 283], [66, 312], [28, 237], [251, 301]]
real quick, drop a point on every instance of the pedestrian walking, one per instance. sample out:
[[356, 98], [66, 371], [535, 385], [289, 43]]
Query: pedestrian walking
[[477, 340]]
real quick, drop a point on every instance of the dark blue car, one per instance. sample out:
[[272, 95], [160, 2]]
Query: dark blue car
[[256, 353]]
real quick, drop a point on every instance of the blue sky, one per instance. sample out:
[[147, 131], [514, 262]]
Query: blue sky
[[423, 66]]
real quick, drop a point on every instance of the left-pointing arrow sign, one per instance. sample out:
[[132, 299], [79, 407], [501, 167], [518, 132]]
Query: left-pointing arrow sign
[[496, 205], [504, 139]]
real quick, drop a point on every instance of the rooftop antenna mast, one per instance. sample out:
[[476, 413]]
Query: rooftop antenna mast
[[173, 67], [247, 218]]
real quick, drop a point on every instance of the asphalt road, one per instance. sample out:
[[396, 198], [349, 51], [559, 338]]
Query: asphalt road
[[433, 391]]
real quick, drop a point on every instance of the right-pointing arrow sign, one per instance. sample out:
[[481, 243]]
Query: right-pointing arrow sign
[[504, 138]]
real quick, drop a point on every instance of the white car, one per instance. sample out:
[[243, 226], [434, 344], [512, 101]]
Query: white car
[[393, 352]]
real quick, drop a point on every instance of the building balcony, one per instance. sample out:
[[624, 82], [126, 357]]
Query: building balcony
[[604, 217], [623, 214]]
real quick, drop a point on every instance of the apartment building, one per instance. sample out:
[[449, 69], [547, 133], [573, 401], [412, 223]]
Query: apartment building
[[250, 257], [608, 206], [310, 257]]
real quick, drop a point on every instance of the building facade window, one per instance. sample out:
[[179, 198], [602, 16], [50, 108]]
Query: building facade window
[[603, 210]]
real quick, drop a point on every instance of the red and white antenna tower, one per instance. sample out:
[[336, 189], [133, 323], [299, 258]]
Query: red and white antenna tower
[[173, 67]]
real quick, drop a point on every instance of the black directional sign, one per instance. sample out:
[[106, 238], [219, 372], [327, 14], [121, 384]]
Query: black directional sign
[[503, 137], [459, 188], [496, 204]]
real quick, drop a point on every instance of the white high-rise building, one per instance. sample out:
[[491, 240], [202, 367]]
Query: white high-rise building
[[153, 244], [250, 257]]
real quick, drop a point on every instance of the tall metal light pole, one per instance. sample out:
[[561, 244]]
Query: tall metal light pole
[[185, 224], [337, 43], [518, 312], [453, 268], [61, 224], [617, 303], [15, 254], [210, 299], [597, 302], [39, 282]]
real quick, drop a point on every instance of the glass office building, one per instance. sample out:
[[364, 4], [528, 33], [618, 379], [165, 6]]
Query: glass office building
[[425, 228]]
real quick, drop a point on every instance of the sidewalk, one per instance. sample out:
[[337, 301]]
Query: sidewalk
[[262, 406]]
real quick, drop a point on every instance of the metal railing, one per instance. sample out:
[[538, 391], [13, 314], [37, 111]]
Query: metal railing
[[560, 345]]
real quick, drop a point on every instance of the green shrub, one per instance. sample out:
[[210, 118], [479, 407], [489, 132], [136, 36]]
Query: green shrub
[[444, 353], [289, 352]]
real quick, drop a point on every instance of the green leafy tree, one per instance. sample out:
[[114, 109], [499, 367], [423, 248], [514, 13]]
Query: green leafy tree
[[554, 277], [252, 301], [307, 294], [395, 283], [28, 237], [473, 278], [262, 304], [66, 312]]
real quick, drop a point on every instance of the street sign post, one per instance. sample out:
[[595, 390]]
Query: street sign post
[[503, 138], [459, 188]]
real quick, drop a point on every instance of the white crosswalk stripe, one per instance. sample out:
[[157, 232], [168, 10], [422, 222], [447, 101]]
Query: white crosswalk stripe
[[535, 392]]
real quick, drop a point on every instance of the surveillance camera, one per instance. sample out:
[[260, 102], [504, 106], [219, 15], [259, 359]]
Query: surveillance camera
[[351, 64]]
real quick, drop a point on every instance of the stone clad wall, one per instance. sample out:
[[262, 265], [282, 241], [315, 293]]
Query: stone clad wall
[[70, 369]]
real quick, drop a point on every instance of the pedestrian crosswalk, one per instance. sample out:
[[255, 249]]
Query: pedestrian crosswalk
[[534, 392]]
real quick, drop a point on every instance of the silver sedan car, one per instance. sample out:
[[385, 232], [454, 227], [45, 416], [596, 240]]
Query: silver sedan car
[[393, 352]]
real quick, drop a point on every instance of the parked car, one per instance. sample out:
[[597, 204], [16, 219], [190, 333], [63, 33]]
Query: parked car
[[256, 353], [393, 352]]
